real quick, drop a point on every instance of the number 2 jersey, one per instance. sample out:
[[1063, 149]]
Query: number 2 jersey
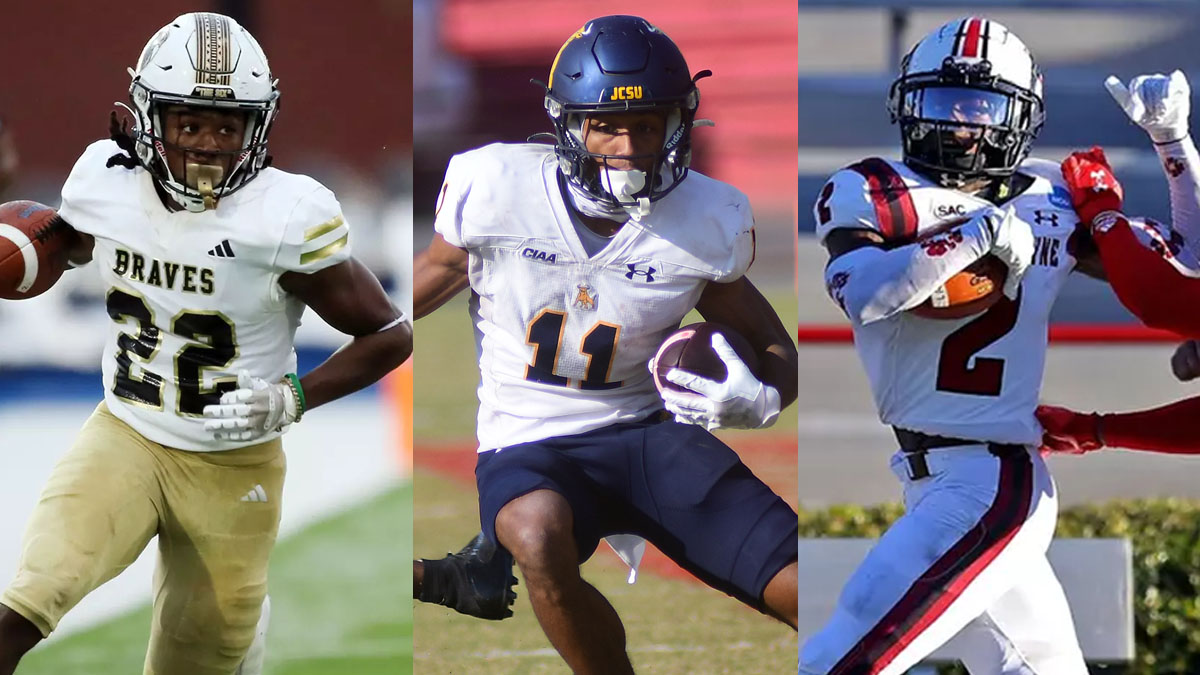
[[564, 338], [978, 377], [194, 297]]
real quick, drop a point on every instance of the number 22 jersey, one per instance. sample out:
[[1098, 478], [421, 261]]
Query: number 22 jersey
[[194, 297], [563, 338]]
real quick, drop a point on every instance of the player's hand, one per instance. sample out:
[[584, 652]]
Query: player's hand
[[1069, 432], [1012, 243], [740, 402], [1185, 362], [1157, 103], [251, 411], [1093, 186]]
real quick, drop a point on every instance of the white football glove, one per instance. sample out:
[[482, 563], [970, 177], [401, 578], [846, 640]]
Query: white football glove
[[251, 411], [1157, 103], [740, 402], [1012, 242]]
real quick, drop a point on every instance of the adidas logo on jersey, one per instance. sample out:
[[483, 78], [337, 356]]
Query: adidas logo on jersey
[[222, 250], [258, 494]]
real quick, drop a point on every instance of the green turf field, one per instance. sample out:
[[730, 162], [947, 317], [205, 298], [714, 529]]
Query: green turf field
[[672, 625], [340, 594]]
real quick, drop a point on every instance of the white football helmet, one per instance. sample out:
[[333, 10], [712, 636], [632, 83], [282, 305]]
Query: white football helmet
[[968, 101], [205, 60]]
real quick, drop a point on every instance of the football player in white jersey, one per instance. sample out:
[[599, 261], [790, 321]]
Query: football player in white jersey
[[967, 560], [210, 257], [581, 258]]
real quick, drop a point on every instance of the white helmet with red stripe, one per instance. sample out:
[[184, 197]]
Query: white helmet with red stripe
[[968, 101]]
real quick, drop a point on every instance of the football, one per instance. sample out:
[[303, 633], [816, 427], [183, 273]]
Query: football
[[967, 293], [33, 249], [690, 348]]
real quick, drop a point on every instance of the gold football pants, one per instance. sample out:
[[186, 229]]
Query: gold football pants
[[216, 516]]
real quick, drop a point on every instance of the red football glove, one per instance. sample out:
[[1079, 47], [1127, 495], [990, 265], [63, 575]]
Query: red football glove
[[1069, 432], [1094, 189]]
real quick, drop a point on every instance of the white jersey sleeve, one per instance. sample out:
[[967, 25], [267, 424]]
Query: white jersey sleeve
[[870, 195], [316, 234], [456, 187], [84, 199], [872, 283], [742, 245]]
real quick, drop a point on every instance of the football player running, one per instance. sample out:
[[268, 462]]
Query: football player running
[[581, 258], [1154, 269], [210, 258], [968, 557]]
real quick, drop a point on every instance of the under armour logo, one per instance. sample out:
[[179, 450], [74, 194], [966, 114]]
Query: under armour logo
[[635, 272], [1099, 180], [1040, 217]]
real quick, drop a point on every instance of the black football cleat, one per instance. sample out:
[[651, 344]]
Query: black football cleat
[[477, 581]]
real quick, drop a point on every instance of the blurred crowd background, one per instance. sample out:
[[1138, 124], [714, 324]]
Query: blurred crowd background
[[344, 73]]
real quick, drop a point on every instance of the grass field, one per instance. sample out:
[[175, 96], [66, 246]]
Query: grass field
[[673, 623], [340, 594]]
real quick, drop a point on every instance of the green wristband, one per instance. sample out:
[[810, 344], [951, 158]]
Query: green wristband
[[294, 381]]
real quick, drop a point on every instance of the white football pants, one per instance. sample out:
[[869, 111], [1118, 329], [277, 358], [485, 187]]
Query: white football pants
[[966, 561]]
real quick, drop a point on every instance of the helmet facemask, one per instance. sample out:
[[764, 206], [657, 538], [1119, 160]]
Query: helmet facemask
[[963, 123], [631, 191], [205, 180]]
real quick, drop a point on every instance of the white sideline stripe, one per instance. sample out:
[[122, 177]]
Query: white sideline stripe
[[378, 649], [644, 649], [25, 246]]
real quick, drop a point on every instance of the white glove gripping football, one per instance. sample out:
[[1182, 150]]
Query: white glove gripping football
[[253, 410], [740, 402], [1013, 243], [1157, 103]]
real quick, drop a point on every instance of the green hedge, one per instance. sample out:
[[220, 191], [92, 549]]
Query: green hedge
[[1166, 566]]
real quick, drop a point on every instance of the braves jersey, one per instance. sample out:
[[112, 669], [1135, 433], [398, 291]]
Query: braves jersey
[[978, 377], [564, 338], [194, 297]]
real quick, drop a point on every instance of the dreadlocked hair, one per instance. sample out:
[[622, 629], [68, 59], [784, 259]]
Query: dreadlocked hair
[[118, 131]]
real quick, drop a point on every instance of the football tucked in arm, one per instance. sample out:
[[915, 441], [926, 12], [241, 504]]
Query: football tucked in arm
[[690, 348], [967, 293], [34, 243]]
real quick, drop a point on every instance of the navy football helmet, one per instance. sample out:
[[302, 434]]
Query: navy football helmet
[[620, 64]]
